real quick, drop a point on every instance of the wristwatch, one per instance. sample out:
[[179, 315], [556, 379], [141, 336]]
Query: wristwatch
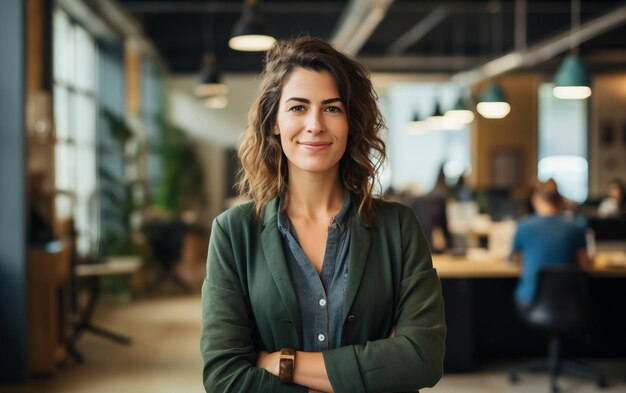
[[286, 365]]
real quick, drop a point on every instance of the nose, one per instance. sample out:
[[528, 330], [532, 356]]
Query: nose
[[314, 122]]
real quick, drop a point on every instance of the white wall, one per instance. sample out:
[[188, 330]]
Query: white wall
[[215, 130], [221, 127]]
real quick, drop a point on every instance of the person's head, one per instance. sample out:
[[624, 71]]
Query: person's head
[[311, 67], [546, 198], [615, 189]]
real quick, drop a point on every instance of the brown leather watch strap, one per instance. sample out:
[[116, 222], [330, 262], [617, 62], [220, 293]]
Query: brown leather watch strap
[[287, 365]]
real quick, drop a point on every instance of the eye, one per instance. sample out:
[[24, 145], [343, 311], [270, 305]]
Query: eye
[[297, 108], [333, 109]]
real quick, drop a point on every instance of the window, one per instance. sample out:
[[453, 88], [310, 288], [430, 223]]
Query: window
[[563, 143], [415, 158], [74, 56]]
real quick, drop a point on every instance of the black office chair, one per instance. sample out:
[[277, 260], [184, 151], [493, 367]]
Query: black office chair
[[165, 239], [560, 308]]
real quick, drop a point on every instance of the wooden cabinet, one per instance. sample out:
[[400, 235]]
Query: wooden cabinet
[[49, 306]]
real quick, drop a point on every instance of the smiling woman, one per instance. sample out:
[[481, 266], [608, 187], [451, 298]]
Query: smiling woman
[[312, 123], [317, 285]]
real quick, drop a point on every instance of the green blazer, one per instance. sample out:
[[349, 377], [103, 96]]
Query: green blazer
[[249, 304]]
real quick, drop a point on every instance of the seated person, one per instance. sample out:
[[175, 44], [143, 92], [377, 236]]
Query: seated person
[[547, 238], [614, 205]]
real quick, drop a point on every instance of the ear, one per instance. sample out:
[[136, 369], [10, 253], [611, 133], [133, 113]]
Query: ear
[[276, 130]]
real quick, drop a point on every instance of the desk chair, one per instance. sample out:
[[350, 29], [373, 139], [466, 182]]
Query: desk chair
[[560, 308], [165, 240]]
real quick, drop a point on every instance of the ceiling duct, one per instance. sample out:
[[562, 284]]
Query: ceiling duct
[[359, 20], [543, 51]]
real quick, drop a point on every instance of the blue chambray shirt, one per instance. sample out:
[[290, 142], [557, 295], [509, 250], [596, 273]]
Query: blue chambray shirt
[[320, 298]]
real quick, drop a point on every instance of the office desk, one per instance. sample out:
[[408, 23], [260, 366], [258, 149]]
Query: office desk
[[606, 264], [481, 319], [114, 266]]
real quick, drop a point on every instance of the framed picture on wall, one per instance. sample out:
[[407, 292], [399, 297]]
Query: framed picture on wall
[[506, 167]]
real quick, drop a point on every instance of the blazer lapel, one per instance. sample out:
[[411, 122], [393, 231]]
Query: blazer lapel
[[357, 257], [274, 255]]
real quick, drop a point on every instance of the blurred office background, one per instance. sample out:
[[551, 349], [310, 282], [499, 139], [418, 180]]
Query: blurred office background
[[118, 148]]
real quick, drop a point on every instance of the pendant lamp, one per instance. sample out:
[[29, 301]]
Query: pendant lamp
[[209, 79], [439, 121], [571, 81], [493, 103], [250, 33], [460, 112], [437, 115], [416, 125]]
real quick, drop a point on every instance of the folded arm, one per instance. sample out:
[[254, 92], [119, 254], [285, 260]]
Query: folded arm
[[227, 344]]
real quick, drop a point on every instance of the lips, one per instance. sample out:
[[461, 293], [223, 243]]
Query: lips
[[315, 146]]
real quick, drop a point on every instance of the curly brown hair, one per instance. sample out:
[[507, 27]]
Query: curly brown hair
[[264, 172]]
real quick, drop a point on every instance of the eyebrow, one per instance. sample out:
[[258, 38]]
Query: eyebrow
[[307, 101]]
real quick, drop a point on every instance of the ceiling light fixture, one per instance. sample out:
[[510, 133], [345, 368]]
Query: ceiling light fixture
[[210, 80], [461, 111], [439, 121], [571, 81], [417, 124], [493, 103], [250, 33]]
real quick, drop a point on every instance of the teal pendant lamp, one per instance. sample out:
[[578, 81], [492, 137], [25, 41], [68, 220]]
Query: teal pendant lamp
[[437, 114], [492, 104], [439, 121], [461, 112], [571, 81], [416, 124]]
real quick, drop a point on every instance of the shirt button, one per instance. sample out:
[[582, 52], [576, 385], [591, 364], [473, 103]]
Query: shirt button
[[321, 337], [351, 318], [322, 302], [333, 226]]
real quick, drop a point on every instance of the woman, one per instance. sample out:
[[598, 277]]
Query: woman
[[614, 204], [315, 285]]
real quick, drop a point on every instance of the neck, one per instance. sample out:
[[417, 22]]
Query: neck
[[547, 211], [314, 196]]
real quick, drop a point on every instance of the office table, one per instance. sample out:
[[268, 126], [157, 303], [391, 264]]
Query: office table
[[482, 321], [113, 266]]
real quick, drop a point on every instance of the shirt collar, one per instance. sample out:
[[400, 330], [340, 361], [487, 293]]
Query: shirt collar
[[340, 219]]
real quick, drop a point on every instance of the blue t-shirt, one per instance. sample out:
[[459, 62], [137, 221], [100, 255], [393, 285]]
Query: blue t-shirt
[[544, 241]]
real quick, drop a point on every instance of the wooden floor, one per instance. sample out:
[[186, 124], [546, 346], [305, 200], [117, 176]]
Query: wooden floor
[[165, 357]]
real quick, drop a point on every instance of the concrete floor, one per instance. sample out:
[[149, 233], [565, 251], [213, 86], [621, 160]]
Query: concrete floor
[[165, 358]]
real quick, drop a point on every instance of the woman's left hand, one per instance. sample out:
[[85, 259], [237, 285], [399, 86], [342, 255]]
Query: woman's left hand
[[269, 361]]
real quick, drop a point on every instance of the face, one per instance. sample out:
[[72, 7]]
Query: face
[[614, 191], [312, 123]]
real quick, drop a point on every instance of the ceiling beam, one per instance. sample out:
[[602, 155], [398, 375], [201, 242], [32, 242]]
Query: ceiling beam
[[471, 7], [418, 31], [544, 50], [358, 21], [420, 63], [225, 7]]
